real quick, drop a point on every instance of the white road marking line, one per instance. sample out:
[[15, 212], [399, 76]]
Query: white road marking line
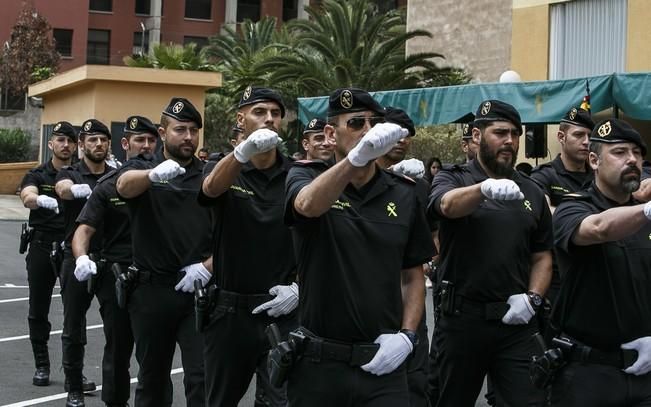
[[17, 338], [9, 285], [23, 299], [61, 396]]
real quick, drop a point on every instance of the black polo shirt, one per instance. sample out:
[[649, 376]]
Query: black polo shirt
[[556, 181], [106, 211], [605, 298], [79, 174], [253, 248], [350, 258], [44, 220], [487, 254], [169, 229]]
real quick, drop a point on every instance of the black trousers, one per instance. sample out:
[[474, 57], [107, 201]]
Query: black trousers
[[433, 388], [235, 348], [331, 383], [76, 301], [41, 279], [470, 347], [418, 369], [119, 342], [584, 384], [160, 318]]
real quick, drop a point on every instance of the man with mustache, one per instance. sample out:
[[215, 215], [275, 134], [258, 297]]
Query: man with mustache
[[73, 185], [488, 298], [255, 267], [604, 251], [46, 218]]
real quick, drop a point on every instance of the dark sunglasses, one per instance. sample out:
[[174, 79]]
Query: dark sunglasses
[[358, 122]]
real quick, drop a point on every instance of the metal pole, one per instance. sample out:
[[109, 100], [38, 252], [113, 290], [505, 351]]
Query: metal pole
[[142, 40]]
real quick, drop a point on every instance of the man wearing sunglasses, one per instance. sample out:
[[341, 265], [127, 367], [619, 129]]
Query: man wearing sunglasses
[[362, 239]]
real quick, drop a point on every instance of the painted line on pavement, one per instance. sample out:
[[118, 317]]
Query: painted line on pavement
[[23, 299], [61, 396], [17, 338], [9, 285]]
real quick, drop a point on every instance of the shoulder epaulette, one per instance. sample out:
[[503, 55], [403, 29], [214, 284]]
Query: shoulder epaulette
[[401, 177], [575, 196], [107, 175]]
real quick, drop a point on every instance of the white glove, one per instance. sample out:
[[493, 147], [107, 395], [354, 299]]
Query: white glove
[[196, 271], [643, 363], [376, 142], [165, 171], [394, 349], [47, 202], [413, 168], [81, 190], [260, 141], [501, 189], [285, 302], [520, 311], [85, 268], [647, 210]]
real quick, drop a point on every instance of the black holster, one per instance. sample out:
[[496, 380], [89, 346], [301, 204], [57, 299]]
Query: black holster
[[544, 369], [92, 283], [447, 293], [283, 354], [125, 282], [204, 302], [56, 258], [26, 234]]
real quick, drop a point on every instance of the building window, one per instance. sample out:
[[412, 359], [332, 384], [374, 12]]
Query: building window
[[101, 5], [63, 39], [140, 44], [248, 9], [99, 46], [290, 9], [143, 7], [12, 101], [200, 9], [384, 6], [200, 41]]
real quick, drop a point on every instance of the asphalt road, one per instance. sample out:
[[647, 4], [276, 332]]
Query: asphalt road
[[16, 362]]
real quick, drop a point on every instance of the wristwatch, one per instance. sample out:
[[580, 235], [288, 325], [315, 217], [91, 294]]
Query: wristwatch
[[411, 335], [536, 300]]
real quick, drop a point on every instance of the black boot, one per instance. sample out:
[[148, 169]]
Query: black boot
[[42, 362], [86, 385], [75, 399]]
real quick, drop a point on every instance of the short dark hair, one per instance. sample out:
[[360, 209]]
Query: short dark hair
[[164, 121], [204, 150], [564, 127], [596, 147]]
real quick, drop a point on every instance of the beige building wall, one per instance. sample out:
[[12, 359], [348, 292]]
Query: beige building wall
[[638, 38], [473, 35], [530, 42]]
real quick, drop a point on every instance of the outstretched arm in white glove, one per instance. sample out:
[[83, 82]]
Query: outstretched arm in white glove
[[501, 189], [165, 171], [47, 202], [413, 168], [260, 141], [81, 190], [285, 301], [394, 349], [84, 268], [375, 143]]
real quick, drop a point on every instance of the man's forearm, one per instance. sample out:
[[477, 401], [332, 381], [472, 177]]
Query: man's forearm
[[610, 225], [413, 297], [461, 202], [133, 183], [222, 176], [62, 188], [29, 195], [541, 272], [81, 240]]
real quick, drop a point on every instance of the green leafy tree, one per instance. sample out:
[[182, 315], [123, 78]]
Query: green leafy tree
[[442, 141], [172, 56], [30, 54]]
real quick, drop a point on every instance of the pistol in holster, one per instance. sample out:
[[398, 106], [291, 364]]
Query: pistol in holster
[[544, 368], [125, 281], [283, 354], [203, 305], [92, 285], [56, 258], [447, 294], [26, 234]]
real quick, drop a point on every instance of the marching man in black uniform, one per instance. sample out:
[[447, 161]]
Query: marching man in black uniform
[[603, 241], [255, 267], [74, 185], [316, 145], [105, 211], [361, 239], [46, 218], [171, 237], [488, 299]]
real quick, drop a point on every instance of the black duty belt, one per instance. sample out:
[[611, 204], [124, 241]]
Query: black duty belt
[[619, 359], [317, 349], [46, 237], [145, 276], [486, 310], [233, 300]]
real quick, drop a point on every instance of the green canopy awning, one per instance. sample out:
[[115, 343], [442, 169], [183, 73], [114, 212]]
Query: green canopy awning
[[537, 101]]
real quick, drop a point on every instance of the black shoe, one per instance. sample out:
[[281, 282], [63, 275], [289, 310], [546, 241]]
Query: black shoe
[[86, 385], [75, 399], [41, 376]]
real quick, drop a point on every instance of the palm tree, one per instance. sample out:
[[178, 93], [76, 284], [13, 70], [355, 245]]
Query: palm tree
[[172, 56]]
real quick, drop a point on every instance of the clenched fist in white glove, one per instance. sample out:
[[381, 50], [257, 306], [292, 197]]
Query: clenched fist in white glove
[[47, 202], [501, 189], [413, 168], [84, 268], [285, 302], [376, 142], [80, 190], [520, 311], [196, 271], [165, 171], [643, 363], [260, 141], [394, 349]]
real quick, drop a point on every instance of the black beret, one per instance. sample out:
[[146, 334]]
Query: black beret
[[400, 117], [255, 94], [578, 117], [616, 131], [349, 100], [65, 129], [139, 125], [315, 125], [496, 110], [92, 126], [182, 110]]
